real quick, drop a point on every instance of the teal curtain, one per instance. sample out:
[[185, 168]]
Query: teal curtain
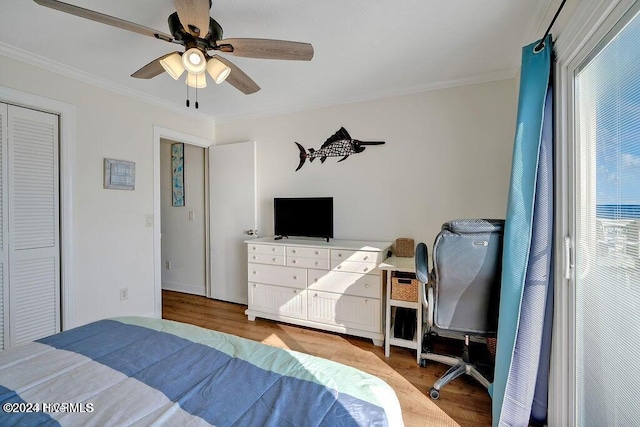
[[523, 335]]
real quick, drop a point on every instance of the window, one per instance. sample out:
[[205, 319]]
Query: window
[[607, 230]]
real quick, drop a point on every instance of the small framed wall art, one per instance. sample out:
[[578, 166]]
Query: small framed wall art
[[177, 174], [119, 174]]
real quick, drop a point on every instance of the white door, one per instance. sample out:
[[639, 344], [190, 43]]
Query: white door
[[4, 253], [34, 225], [232, 174]]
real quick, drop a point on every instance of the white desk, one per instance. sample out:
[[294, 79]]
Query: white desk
[[407, 265]]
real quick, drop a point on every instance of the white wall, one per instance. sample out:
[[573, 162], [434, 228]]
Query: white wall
[[113, 248], [447, 155], [183, 240]]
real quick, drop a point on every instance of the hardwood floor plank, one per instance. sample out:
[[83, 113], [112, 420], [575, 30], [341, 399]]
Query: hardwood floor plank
[[463, 402]]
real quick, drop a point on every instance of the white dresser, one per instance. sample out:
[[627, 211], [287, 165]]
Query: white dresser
[[334, 286]]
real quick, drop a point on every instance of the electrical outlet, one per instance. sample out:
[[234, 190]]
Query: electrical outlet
[[124, 294], [167, 265]]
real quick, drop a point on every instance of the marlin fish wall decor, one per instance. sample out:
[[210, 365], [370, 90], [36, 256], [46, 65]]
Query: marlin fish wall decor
[[340, 144]]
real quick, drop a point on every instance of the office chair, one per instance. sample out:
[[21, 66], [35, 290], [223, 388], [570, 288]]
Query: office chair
[[463, 290]]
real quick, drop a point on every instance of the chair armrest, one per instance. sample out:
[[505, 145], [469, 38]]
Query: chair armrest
[[422, 263]]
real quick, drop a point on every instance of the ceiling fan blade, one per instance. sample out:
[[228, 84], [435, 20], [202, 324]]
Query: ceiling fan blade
[[238, 79], [267, 49], [104, 19], [194, 15], [152, 69]]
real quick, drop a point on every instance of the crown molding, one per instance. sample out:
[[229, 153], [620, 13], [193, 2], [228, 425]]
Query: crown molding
[[492, 76], [26, 57]]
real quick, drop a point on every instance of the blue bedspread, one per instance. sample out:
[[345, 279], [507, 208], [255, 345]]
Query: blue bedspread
[[140, 371]]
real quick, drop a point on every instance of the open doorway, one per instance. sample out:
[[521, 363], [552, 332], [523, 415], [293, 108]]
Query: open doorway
[[184, 213]]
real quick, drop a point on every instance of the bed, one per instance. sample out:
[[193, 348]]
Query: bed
[[143, 371]]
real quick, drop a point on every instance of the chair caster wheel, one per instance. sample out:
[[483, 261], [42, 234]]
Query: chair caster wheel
[[423, 363], [434, 394]]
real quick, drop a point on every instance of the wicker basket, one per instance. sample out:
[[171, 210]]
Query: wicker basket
[[404, 287], [404, 247], [492, 344]]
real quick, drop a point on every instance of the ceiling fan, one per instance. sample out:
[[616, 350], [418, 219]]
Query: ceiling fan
[[192, 27]]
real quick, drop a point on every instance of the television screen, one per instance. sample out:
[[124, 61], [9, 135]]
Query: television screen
[[303, 216]]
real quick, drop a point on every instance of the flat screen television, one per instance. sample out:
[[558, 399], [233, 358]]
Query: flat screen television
[[303, 216]]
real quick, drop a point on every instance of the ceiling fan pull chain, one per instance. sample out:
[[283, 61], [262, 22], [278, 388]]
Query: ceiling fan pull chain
[[187, 95], [196, 91]]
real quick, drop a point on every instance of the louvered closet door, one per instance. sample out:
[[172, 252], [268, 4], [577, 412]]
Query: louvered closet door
[[34, 254], [4, 253]]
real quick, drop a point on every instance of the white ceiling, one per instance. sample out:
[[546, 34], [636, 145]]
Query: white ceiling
[[364, 49]]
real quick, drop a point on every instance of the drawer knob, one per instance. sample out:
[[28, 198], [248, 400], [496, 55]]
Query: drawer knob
[[317, 253], [366, 301], [366, 285], [315, 280], [294, 251], [293, 261], [254, 248], [339, 267], [273, 249], [366, 257], [315, 296], [255, 257], [366, 269], [255, 286], [339, 255], [295, 277], [254, 272], [295, 291], [317, 263], [274, 259]]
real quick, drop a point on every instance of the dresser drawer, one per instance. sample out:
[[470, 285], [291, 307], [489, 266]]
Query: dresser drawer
[[259, 258], [308, 262], [345, 310], [295, 251], [355, 267], [275, 275], [255, 248], [362, 256], [362, 285]]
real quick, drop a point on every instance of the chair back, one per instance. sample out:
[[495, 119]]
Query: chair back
[[467, 259]]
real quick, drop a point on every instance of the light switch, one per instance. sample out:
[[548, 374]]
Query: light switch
[[191, 215], [148, 221]]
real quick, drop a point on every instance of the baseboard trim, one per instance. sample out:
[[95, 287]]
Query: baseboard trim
[[187, 289]]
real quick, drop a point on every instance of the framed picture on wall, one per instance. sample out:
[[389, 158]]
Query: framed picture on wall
[[177, 175], [119, 174]]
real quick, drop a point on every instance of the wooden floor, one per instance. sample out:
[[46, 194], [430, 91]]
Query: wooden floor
[[462, 402]]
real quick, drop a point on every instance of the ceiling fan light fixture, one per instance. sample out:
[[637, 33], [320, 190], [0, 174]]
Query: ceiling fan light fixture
[[172, 64], [197, 81], [194, 61], [218, 70]]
